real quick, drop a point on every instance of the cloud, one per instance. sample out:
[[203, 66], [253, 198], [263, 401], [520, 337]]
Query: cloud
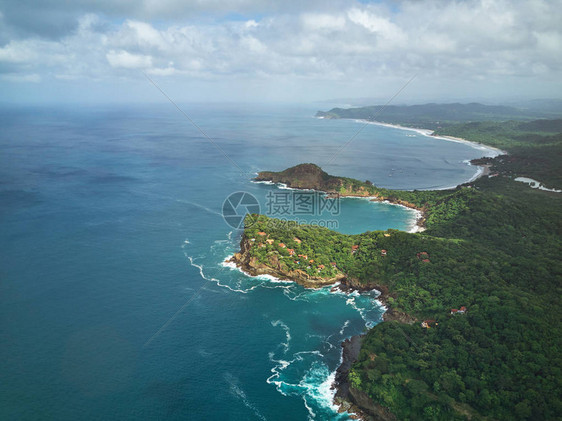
[[350, 43], [128, 60]]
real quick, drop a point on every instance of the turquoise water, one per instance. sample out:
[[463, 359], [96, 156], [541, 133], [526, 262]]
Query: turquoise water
[[115, 302]]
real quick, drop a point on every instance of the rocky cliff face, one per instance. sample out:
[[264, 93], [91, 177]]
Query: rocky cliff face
[[275, 267], [350, 399]]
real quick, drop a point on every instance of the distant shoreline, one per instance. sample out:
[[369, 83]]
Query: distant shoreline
[[429, 133], [480, 172]]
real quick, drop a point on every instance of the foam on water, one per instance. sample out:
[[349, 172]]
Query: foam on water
[[305, 373], [286, 345]]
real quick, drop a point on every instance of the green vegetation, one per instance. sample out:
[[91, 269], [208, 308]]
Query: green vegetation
[[493, 247], [437, 116], [438, 205], [430, 116], [535, 147], [499, 257]]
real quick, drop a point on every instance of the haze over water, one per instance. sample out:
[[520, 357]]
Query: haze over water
[[114, 300]]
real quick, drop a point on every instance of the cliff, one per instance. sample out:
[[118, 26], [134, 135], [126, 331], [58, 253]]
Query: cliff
[[276, 267]]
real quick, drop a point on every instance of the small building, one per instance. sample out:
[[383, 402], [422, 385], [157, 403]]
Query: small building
[[462, 310], [311, 260], [262, 233], [304, 256], [297, 240], [291, 252], [422, 255], [333, 264], [354, 249], [426, 260], [320, 267], [269, 241], [387, 235], [383, 252], [426, 324], [282, 245]]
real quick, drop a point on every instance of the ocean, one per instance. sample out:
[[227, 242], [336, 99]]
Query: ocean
[[115, 301]]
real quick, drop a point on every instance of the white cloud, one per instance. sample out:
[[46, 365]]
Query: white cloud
[[323, 21], [127, 60], [346, 42], [379, 25]]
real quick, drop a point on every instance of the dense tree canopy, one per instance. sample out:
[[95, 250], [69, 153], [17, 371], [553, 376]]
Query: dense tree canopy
[[494, 248]]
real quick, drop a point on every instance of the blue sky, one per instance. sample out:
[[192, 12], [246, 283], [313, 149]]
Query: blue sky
[[290, 51]]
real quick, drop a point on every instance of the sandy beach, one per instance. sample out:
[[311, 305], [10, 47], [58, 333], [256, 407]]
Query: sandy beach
[[491, 151]]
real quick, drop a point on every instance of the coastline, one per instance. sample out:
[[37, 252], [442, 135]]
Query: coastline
[[417, 223], [355, 402], [482, 170], [429, 133]]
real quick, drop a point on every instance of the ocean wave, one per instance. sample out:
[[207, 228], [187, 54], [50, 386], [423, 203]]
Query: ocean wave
[[346, 324], [215, 280], [304, 373], [286, 345], [262, 182], [318, 382]]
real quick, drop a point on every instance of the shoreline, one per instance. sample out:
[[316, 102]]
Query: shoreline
[[355, 402], [429, 133], [416, 223], [346, 399], [482, 170]]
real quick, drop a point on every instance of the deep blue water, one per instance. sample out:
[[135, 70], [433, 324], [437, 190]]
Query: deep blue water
[[114, 302]]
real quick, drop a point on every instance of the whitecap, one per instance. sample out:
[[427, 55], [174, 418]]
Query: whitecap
[[346, 324], [286, 345]]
